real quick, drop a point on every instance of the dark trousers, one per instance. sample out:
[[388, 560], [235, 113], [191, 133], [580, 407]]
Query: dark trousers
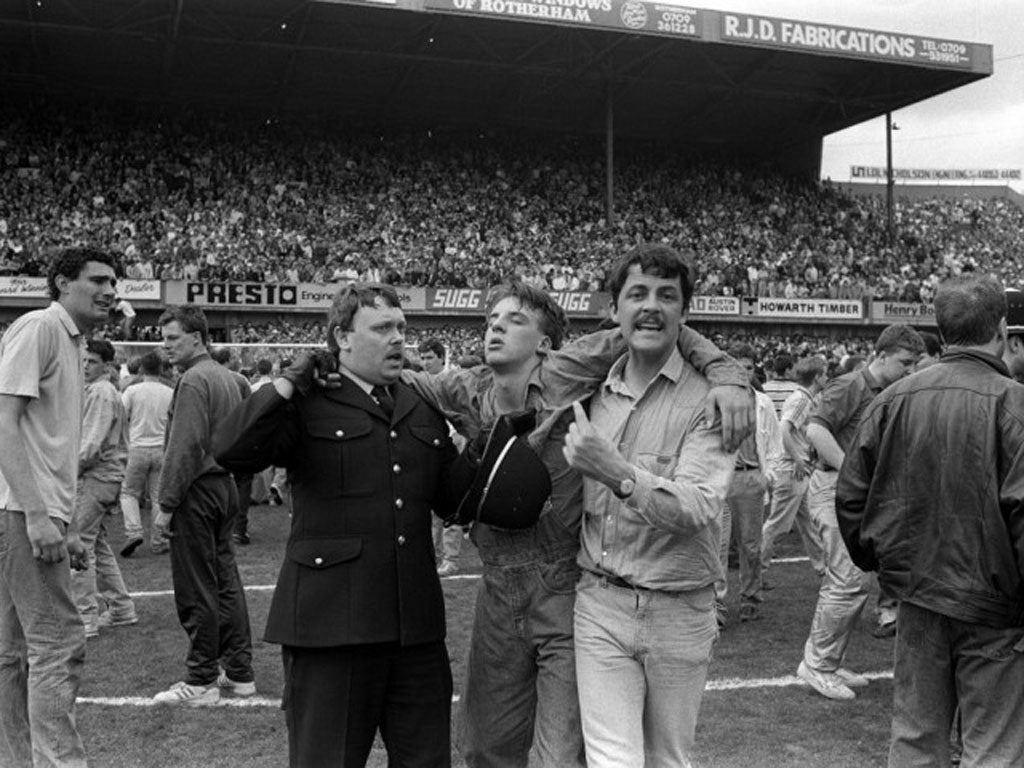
[[207, 589], [335, 700], [244, 485]]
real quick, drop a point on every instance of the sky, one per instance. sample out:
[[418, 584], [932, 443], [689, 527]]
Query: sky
[[980, 125]]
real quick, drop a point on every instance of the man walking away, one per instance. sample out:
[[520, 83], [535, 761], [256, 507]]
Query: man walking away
[[931, 496]]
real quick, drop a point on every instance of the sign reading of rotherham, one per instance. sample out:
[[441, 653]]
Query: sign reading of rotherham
[[811, 309], [765, 32], [628, 15]]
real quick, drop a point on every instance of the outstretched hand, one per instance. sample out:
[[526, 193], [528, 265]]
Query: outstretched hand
[[736, 405]]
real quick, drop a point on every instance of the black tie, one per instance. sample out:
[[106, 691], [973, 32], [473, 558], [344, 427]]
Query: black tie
[[384, 400]]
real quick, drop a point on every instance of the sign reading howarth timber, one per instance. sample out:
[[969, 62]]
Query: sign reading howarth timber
[[714, 305], [761, 31], [626, 15], [936, 174], [816, 309], [902, 312]]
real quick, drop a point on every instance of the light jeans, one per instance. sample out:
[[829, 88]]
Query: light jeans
[[142, 475], [641, 663], [102, 577], [447, 541], [742, 518], [844, 588], [42, 651], [942, 662], [789, 508]]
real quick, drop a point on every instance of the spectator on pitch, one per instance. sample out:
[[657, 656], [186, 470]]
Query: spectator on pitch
[[102, 457], [754, 471], [932, 350], [147, 404], [789, 492], [244, 483], [447, 540], [655, 478], [358, 607], [42, 646], [198, 504], [931, 496], [780, 384], [844, 589], [520, 691]]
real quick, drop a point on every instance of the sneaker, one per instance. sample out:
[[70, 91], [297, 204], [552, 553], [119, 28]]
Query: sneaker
[[129, 548], [161, 549], [750, 612], [826, 683], [106, 619], [233, 687], [189, 695], [883, 631], [448, 569], [241, 538], [851, 679]]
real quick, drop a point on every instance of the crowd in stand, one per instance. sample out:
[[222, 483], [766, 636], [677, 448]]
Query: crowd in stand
[[206, 199]]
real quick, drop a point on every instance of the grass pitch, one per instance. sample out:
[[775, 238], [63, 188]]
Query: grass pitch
[[754, 713]]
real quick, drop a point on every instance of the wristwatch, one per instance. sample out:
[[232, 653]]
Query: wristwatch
[[626, 488]]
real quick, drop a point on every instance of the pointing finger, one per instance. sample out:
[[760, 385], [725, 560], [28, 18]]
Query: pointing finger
[[581, 415]]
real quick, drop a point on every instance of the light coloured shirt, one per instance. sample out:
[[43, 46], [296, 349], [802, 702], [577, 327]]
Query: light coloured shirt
[[797, 411], [103, 452], [147, 405], [666, 534], [779, 390], [41, 359]]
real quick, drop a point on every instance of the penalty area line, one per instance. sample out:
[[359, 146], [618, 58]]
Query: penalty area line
[[731, 684]]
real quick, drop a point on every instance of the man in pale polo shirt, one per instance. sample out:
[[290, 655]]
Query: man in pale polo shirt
[[41, 389]]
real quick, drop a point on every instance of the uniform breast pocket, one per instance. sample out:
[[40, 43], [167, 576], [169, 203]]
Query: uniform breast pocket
[[659, 464], [342, 448]]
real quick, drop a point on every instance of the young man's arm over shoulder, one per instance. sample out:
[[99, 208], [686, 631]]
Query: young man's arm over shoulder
[[578, 369]]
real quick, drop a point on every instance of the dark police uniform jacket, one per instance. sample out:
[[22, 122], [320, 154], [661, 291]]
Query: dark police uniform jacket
[[359, 564]]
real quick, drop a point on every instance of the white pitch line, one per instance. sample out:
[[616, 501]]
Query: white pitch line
[[456, 577], [270, 587], [733, 684]]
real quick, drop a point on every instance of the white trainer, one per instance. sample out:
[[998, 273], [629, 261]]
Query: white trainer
[[233, 687], [827, 684], [851, 679], [189, 695]]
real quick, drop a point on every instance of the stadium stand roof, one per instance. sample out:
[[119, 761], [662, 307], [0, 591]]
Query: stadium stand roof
[[695, 77]]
